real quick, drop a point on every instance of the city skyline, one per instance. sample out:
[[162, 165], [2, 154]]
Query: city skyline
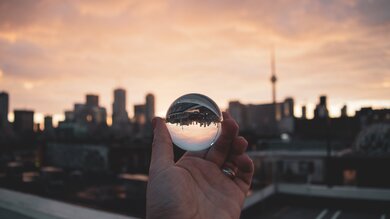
[[310, 110], [57, 52]]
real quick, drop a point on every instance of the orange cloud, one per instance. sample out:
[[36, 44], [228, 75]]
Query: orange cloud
[[220, 48]]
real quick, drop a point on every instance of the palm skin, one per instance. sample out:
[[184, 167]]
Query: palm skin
[[195, 187]]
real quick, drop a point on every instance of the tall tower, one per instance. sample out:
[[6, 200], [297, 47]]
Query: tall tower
[[119, 113], [48, 122], [273, 77], [149, 107], [24, 121]]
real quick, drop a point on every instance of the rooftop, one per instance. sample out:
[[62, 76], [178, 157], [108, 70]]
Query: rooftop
[[17, 205], [275, 201], [320, 202]]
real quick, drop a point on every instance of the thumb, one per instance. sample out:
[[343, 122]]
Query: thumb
[[162, 149]]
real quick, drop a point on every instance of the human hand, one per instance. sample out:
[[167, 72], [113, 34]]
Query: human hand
[[194, 186]]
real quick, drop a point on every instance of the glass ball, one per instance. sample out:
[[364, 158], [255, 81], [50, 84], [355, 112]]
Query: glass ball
[[194, 122]]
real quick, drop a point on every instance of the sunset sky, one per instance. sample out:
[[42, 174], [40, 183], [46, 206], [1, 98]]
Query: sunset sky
[[54, 52]]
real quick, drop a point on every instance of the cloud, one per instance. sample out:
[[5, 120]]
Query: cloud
[[11, 11], [28, 85], [59, 50], [374, 12]]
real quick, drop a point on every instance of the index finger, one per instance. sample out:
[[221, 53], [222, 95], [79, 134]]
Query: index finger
[[162, 148]]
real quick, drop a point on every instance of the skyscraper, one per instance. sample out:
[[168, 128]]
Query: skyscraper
[[321, 110], [119, 113], [92, 100], [139, 114], [288, 107], [90, 112], [49, 131], [286, 123], [4, 106], [24, 121], [149, 111], [48, 123]]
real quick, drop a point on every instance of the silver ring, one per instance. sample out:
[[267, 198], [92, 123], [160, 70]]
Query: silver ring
[[229, 172]]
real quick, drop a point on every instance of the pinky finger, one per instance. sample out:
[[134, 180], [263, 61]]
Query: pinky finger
[[245, 171]]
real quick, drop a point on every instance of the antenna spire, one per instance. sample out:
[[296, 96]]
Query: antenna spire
[[273, 75]]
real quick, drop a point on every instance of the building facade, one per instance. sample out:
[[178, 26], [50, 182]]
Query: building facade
[[24, 121], [119, 112]]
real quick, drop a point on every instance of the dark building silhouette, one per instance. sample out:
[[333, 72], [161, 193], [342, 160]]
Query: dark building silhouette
[[69, 115], [84, 120], [49, 131], [304, 112], [90, 112], [141, 124], [286, 122], [149, 114], [4, 107], [239, 111], [323, 127], [93, 115], [143, 115], [119, 113], [264, 119], [23, 121], [368, 116], [140, 114], [321, 110], [92, 100], [149, 107], [288, 107], [272, 120], [48, 123], [330, 129], [343, 111]]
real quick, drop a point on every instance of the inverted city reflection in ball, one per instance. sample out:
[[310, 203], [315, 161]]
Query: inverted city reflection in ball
[[194, 122]]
